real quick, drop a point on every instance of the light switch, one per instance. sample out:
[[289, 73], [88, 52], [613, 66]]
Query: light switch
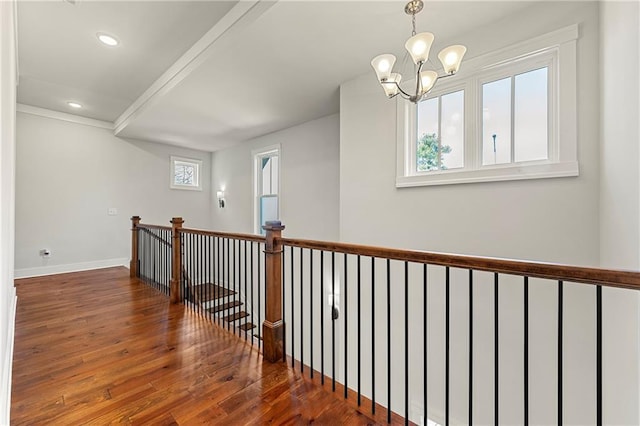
[[112, 211]]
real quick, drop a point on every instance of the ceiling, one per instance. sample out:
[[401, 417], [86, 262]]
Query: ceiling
[[209, 74]]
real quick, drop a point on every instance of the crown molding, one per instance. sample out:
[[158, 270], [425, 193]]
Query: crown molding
[[245, 12], [63, 116]]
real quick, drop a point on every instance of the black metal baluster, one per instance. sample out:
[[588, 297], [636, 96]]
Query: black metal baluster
[[202, 287], [446, 340], [406, 343], [322, 316], [311, 312], [495, 349], [388, 341], [560, 356], [210, 274], [425, 341], [373, 335], [246, 327], [192, 275], [470, 346], [526, 351], [599, 355], [284, 305], [293, 322], [236, 285], [228, 281], [301, 311], [259, 301], [346, 318], [333, 321], [253, 318], [359, 320]]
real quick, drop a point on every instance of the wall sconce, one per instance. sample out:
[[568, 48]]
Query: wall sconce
[[220, 195]]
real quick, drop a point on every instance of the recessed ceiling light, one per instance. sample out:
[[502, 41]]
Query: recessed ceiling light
[[74, 104], [107, 39]]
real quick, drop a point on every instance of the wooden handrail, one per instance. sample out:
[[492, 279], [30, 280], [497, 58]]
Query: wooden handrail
[[552, 271], [233, 236]]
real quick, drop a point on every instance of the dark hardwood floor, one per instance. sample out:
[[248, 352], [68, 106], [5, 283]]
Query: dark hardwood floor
[[97, 347]]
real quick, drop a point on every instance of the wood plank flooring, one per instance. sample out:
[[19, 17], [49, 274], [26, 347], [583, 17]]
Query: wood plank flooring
[[97, 347]]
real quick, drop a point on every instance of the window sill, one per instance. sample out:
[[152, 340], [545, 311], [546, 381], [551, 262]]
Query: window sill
[[497, 174]]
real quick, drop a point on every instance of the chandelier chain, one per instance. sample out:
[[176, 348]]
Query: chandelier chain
[[413, 24]]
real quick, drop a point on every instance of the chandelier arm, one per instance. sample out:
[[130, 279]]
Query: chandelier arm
[[418, 80], [446, 75], [398, 86]]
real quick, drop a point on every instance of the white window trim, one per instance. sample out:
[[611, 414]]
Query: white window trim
[[559, 45], [197, 163], [257, 156]]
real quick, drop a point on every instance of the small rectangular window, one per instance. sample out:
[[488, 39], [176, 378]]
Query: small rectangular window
[[185, 173]]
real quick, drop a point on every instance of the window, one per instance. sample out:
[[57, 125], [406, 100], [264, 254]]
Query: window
[[507, 115], [267, 186], [185, 173]]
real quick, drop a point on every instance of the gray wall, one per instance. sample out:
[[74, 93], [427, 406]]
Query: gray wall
[[8, 81], [69, 174], [620, 202], [309, 181]]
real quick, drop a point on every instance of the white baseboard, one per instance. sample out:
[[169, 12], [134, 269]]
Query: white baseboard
[[72, 267], [5, 390]]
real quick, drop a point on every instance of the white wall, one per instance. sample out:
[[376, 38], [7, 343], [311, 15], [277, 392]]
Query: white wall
[[69, 174], [549, 220], [620, 203], [309, 181], [7, 199]]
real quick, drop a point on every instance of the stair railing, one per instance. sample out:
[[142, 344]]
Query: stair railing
[[407, 335]]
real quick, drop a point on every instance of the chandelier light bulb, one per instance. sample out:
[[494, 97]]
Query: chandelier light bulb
[[427, 80], [391, 85], [451, 57], [418, 47], [382, 65]]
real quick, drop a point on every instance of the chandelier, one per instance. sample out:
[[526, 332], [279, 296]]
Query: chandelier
[[418, 47]]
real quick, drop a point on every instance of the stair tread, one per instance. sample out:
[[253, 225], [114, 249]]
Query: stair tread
[[225, 306], [247, 326], [208, 291], [236, 316]]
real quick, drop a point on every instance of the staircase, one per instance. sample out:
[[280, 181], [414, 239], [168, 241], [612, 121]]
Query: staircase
[[219, 301]]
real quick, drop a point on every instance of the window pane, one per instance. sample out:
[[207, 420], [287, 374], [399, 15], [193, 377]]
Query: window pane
[[275, 172], [268, 210], [184, 174], [452, 125], [266, 176], [496, 122], [530, 116], [427, 148]]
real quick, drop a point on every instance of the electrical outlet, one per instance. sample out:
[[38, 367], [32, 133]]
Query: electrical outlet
[[45, 252], [112, 211]]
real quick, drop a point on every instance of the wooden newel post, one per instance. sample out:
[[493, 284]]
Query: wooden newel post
[[273, 325], [176, 261], [133, 265]]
